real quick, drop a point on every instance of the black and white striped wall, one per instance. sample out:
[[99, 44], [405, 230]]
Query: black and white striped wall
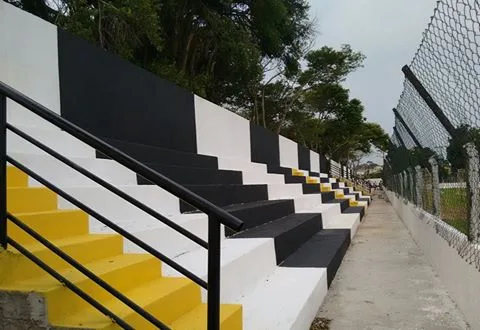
[[115, 99]]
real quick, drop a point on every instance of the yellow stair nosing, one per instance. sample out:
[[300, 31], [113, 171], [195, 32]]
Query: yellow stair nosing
[[56, 211], [142, 296], [198, 316], [72, 240], [46, 283]]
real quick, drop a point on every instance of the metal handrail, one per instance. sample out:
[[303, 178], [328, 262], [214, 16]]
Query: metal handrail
[[107, 222], [216, 215], [109, 186], [160, 180]]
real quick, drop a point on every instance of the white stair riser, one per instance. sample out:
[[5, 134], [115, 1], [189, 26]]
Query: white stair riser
[[253, 258], [170, 242], [54, 139], [287, 299], [116, 209], [62, 175], [284, 191]]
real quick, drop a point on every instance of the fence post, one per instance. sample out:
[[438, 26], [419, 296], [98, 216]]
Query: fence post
[[473, 193], [405, 185], [435, 186], [419, 186], [410, 182], [401, 183]]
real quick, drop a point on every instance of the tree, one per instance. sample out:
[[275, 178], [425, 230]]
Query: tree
[[456, 153]]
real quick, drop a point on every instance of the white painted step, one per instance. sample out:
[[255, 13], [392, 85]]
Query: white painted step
[[57, 140], [323, 175], [117, 209], [20, 116], [256, 177], [286, 299], [244, 261], [284, 191], [252, 173], [240, 164], [62, 175], [160, 236]]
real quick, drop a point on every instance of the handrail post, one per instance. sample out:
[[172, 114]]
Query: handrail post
[[3, 172], [213, 285]]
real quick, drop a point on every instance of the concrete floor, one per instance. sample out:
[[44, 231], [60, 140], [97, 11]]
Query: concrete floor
[[385, 281]]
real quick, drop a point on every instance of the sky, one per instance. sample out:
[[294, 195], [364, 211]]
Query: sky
[[388, 32]]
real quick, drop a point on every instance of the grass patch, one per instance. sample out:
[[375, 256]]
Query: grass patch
[[454, 208]]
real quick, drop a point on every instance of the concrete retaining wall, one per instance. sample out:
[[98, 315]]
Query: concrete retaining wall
[[461, 279]]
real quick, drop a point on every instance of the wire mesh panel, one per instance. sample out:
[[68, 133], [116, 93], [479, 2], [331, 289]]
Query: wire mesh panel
[[421, 120], [427, 191], [453, 199], [439, 108], [448, 60]]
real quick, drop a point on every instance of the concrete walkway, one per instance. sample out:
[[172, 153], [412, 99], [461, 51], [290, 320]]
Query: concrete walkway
[[385, 281]]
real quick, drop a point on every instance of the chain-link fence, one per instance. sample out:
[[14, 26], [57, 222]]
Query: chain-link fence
[[433, 161]]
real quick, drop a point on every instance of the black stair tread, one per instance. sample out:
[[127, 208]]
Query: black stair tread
[[295, 179], [363, 199], [156, 154], [278, 169], [243, 206], [261, 212], [227, 194], [187, 167], [325, 249], [289, 232], [353, 209], [278, 226], [311, 188], [327, 196], [196, 175]]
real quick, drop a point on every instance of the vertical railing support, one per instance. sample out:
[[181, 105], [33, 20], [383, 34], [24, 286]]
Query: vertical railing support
[[473, 193], [402, 183], [412, 191], [3, 172], [419, 185], [213, 285], [435, 186]]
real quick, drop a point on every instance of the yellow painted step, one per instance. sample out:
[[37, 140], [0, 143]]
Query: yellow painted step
[[296, 172], [230, 319], [339, 195], [50, 224], [16, 178], [123, 272], [166, 298], [312, 180], [21, 200], [15, 267]]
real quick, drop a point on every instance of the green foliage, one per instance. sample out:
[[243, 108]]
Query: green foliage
[[456, 154], [251, 56]]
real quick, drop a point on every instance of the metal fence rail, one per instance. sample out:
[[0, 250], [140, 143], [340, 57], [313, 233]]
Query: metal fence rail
[[433, 160]]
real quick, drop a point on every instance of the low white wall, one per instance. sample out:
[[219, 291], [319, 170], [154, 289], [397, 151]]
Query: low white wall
[[314, 162], [220, 132], [28, 60], [461, 279], [288, 152]]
